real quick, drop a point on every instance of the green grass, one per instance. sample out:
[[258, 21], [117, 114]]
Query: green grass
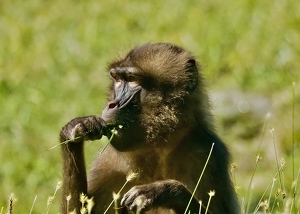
[[53, 56]]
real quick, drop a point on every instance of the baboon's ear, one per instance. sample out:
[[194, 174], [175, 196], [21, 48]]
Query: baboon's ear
[[191, 68]]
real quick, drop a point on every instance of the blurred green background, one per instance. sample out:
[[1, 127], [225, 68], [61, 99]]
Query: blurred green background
[[53, 56]]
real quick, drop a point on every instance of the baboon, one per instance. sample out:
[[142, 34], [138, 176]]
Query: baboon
[[159, 113]]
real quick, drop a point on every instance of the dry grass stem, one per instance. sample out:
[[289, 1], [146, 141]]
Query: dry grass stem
[[232, 171], [34, 200], [12, 200], [139, 203], [211, 194], [243, 206], [265, 206], [200, 177], [90, 204], [293, 131], [113, 131], [200, 206], [68, 202], [129, 178], [65, 142], [82, 200], [279, 168], [258, 158], [86, 204], [250, 187], [263, 195], [51, 198], [271, 192], [116, 197]]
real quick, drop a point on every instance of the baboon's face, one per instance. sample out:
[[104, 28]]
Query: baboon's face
[[148, 91]]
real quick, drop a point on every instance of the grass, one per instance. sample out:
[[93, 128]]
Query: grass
[[53, 56]]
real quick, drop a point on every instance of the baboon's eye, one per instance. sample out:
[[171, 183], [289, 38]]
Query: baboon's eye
[[131, 78]]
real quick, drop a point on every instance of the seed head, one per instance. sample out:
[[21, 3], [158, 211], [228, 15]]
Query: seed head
[[212, 193], [131, 176]]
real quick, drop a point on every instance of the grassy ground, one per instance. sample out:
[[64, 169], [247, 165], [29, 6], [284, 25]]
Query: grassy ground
[[53, 56]]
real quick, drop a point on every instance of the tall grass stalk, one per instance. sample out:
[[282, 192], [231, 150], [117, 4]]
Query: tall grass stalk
[[129, 178], [232, 172], [293, 131], [139, 203], [211, 194], [274, 203], [83, 199], [250, 187], [200, 204], [116, 198], [65, 142], [293, 192], [12, 200], [51, 198], [247, 199], [68, 202], [113, 131], [270, 195], [277, 162], [268, 115], [196, 187], [243, 205], [87, 204], [263, 195], [90, 204], [34, 200], [272, 188]]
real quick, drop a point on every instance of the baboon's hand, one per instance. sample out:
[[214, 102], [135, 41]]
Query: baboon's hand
[[83, 128], [168, 193]]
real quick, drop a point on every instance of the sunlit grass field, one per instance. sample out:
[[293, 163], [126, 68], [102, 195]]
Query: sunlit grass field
[[53, 56]]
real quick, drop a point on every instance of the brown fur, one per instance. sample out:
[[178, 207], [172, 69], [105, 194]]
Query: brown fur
[[167, 135]]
